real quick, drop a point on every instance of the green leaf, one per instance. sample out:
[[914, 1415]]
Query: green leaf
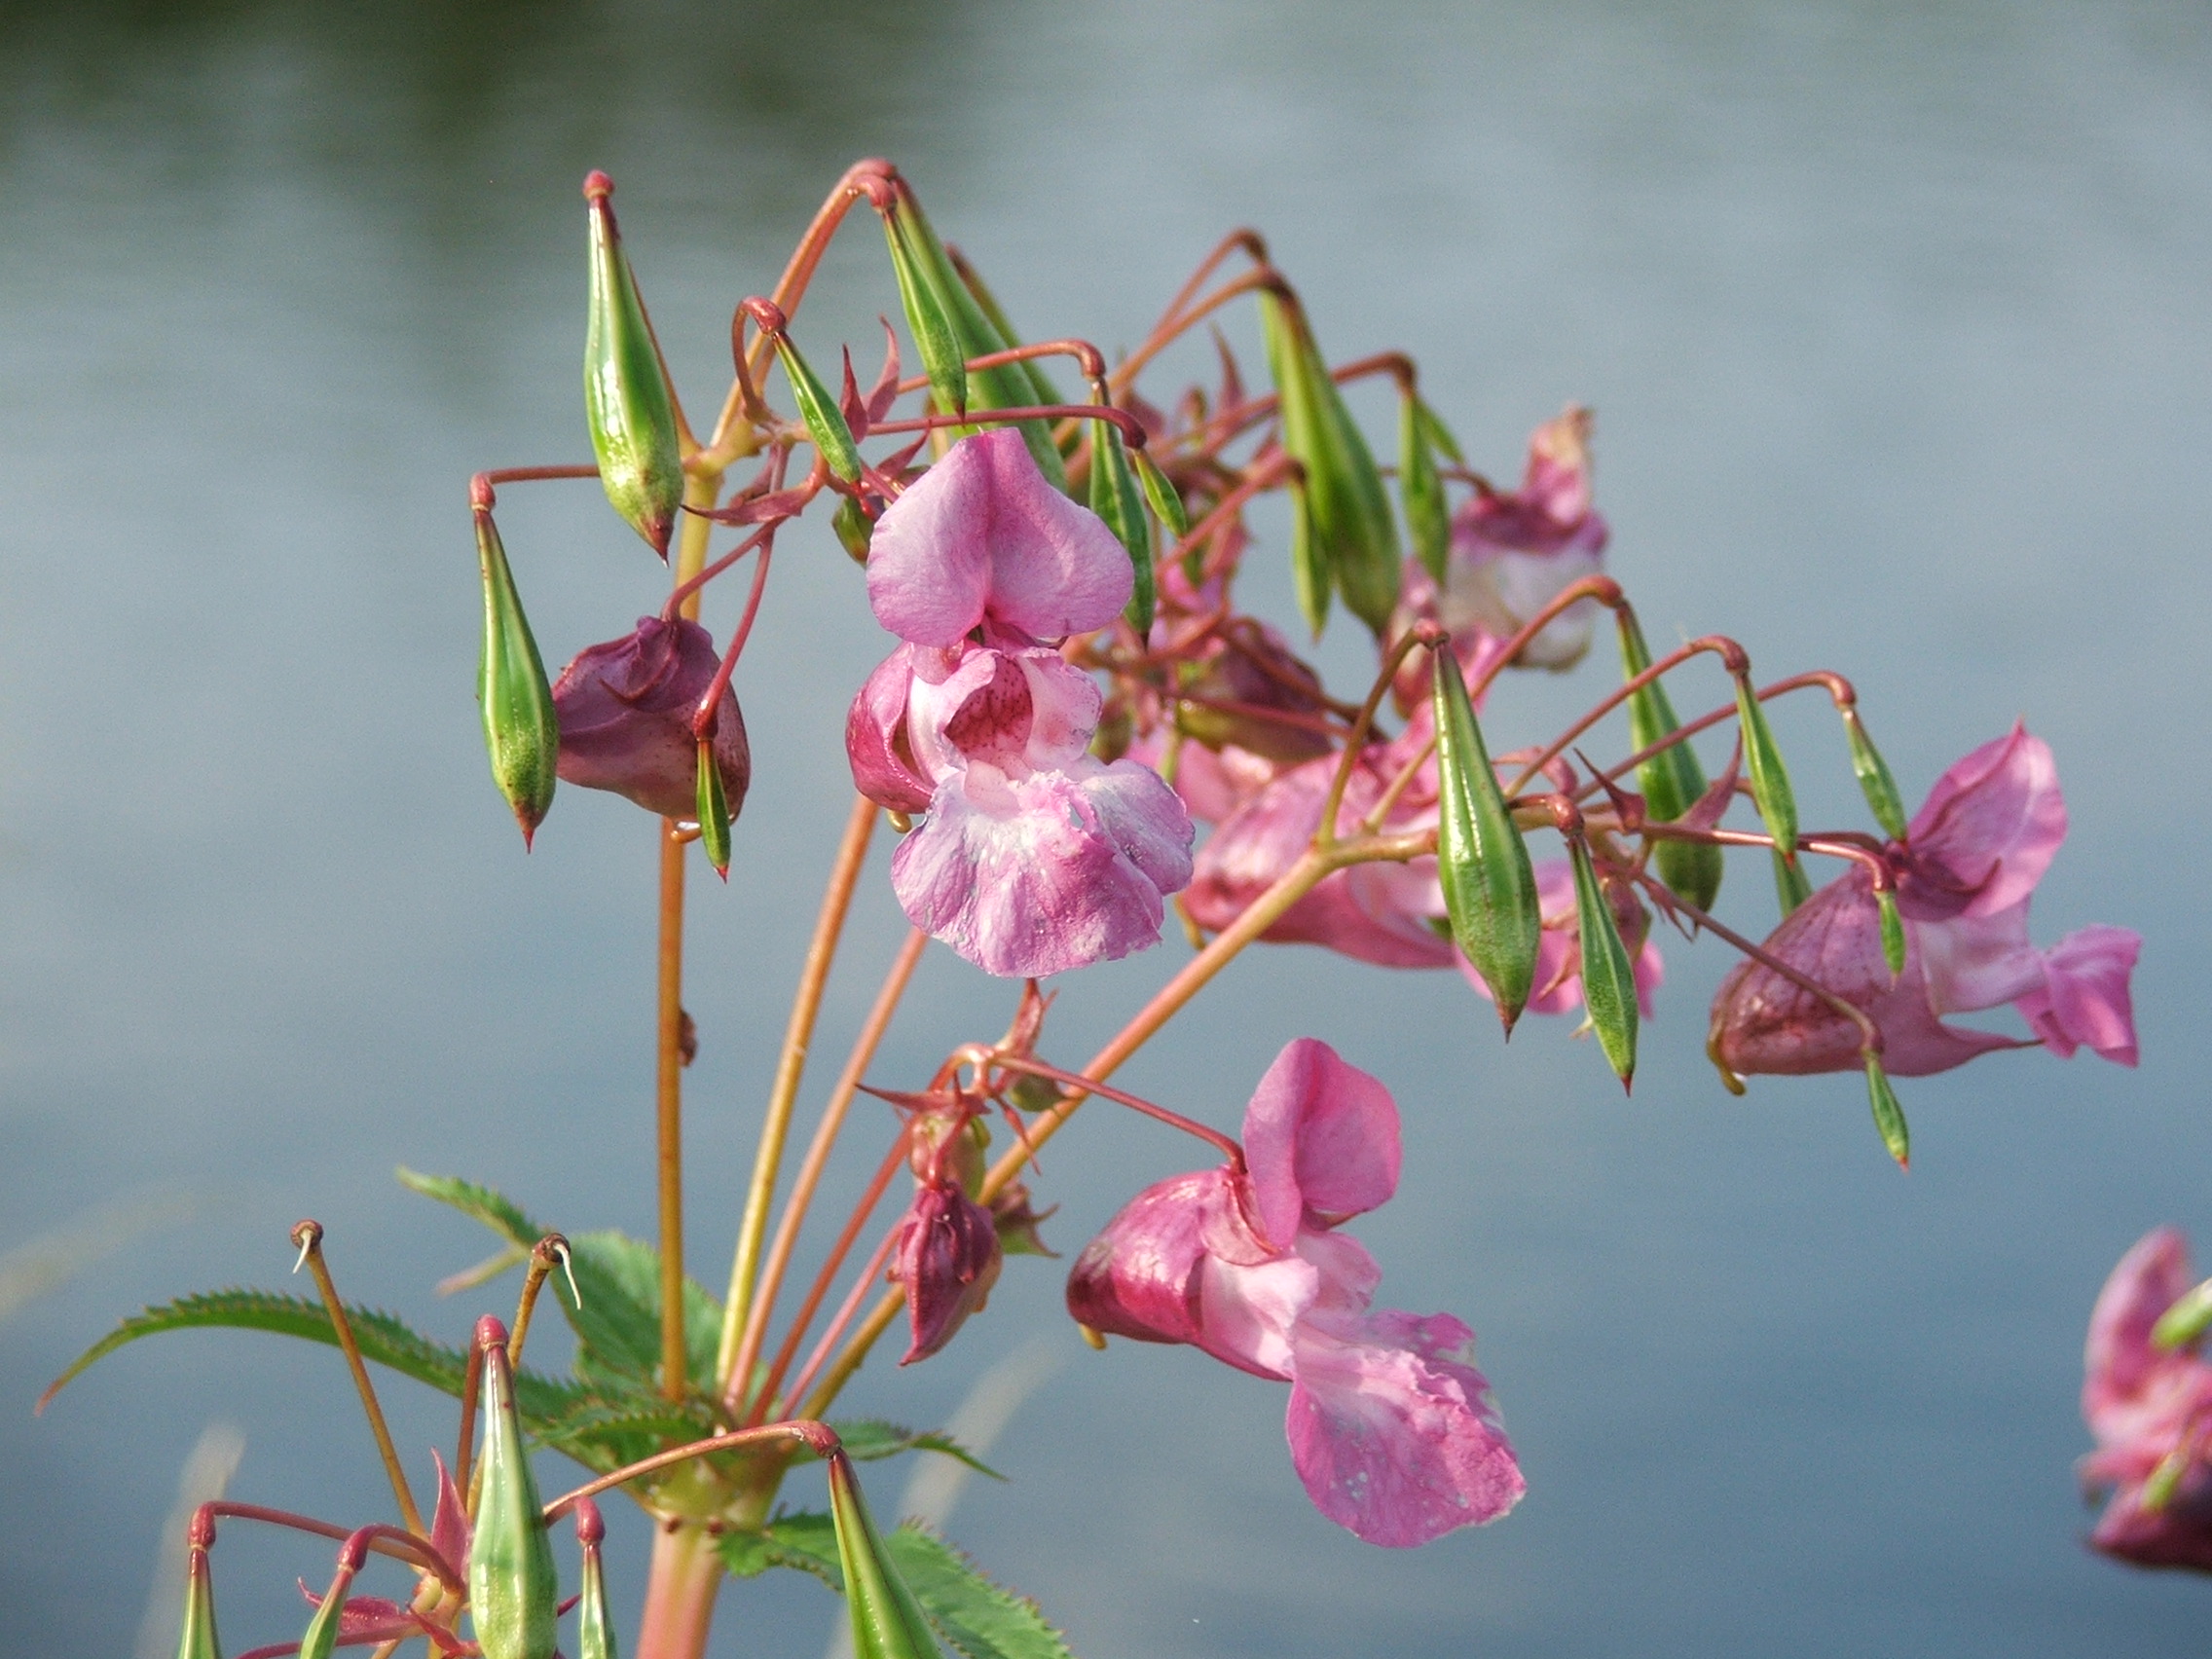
[[1354, 536], [608, 1434], [1770, 778], [1117, 500], [627, 401], [1420, 488], [805, 1542], [522, 731], [868, 1439], [1608, 978], [818, 408], [382, 1339], [1671, 781], [1791, 886], [618, 1325], [1874, 779], [1490, 887], [712, 807], [979, 1618], [1888, 1113]]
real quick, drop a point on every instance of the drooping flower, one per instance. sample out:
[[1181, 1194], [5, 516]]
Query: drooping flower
[[1969, 864], [2151, 1413], [1512, 553], [1391, 1427], [625, 709], [948, 1257], [1036, 857]]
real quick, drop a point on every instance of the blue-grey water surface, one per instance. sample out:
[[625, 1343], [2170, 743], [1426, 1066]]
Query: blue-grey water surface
[[1897, 324]]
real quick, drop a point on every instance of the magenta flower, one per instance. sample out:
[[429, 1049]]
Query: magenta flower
[[1036, 856], [1511, 555], [625, 710], [1970, 861], [2151, 1411], [1391, 1425]]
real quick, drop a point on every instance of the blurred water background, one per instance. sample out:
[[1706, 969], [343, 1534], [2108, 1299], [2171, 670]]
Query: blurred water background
[[1896, 323]]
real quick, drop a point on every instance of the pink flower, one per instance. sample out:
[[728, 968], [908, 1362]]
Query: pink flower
[[2147, 1406], [1036, 856], [1511, 555], [1970, 861], [1391, 1425], [625, 710]]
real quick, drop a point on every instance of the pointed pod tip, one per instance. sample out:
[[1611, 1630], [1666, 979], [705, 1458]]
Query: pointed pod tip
[[598, 187], [491, 1334]]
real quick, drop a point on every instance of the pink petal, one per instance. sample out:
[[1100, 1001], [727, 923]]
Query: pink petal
[[2122, 1370], [1030, 877], [2084, 998], [1976, 962], [1320, 1140], [1139, 1277], [981, 535], [1247, 1315], [1988, 832], [2178, 1535], [876, 746], [1394, 1432], [1765, 1023], [625, 709]]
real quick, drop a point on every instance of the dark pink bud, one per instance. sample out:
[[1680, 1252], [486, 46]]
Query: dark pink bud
[[947, 1258], [626, 708]]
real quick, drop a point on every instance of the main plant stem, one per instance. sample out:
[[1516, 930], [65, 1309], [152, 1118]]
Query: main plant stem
[[700, 489], [680, 1595]]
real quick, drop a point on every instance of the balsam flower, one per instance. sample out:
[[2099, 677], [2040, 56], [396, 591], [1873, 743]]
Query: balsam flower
[[948, 1257], [1512, 553], [625, 709], [2150, 1412], [1391, 1427], [1969, 864], [1036, 857]]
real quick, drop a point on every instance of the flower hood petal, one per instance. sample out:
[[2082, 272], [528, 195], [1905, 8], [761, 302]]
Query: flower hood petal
[[1320, 1141]]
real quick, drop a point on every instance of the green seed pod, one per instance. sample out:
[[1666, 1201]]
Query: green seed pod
[[2186, 1320], [1874, 779], [1770, 778], [888, 1623], [824, 422], [1437, 434], [1005, 386], [854, 531], [1116, 498], [627, 400], [1356, 539], [927, 322], [1608, 978], [1166, 501], [321, 1639], [513, 1589], [1888, 1113], [595, 1629], [1892, 931], [714, 812], [1671, 781], [1490, 887], [1420, 488], [1309, 560], [1041, 386], [520, 730], [198, 1640], [1791, 887]]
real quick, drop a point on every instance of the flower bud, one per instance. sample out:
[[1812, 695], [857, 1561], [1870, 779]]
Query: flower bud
[[1018, 1222], [1346, 510], [513, 1589], [948, 1257], [521, 731], [627, 399], [625, 718], [887, 1622]]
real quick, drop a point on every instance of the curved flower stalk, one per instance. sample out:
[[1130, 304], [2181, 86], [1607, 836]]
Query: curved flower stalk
[[1391, 1427], [2150, 1407], [1036, 857], [1970, 861]]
